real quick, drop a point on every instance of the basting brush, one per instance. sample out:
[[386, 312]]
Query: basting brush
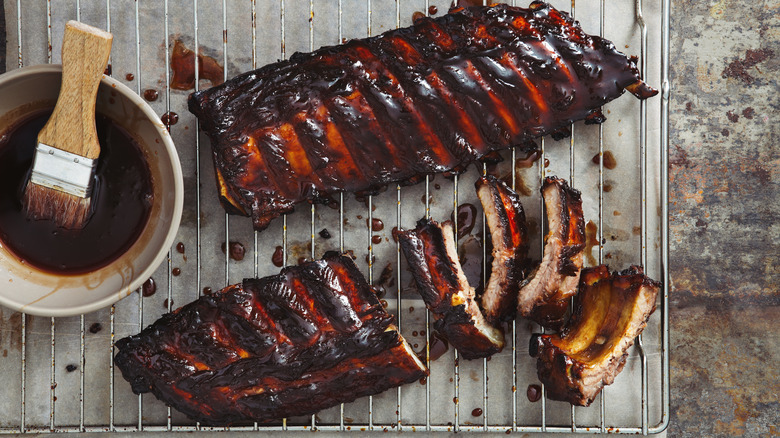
[[60, 186]]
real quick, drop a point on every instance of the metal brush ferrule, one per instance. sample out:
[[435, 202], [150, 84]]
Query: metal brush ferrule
[[63, 171]]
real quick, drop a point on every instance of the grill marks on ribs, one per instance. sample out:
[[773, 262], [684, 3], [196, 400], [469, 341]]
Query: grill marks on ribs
[[544, 296], [432, 255], [610, 311], [311, 337], [420, 100], [509, 233]]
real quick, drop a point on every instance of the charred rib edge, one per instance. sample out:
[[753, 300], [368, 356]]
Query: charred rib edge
[[610, 311]]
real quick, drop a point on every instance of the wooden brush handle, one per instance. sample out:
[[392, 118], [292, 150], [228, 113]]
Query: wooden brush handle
[[85, 52]]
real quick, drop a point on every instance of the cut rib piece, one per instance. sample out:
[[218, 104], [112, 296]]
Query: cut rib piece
[[544, 296], [610, 311], [432, 256], [426, 99], [311, 337], [509, 233]]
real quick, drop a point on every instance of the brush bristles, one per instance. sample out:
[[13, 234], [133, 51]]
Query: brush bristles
[[65, 210]]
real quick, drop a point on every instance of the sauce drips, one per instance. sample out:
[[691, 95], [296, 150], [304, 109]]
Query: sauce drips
[[151, 94], [467, 216], [609, 160], [534, 393], [149, 287], [377, 224], [591, 241], [121, 202], [278, 257], [183, 67]]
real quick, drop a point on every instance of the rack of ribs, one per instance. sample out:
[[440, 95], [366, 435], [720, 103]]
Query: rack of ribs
[[291, 344], [410, 102], [432, 255], [610, 311], [509, 234], [544, 295]]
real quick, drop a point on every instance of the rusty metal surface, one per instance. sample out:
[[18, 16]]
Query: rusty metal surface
[[725, 218]]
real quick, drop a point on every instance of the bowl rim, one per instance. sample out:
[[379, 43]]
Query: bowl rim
[[178, 202]]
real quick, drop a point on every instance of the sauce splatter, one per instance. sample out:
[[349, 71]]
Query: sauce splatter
[[591, 240], [170, 118], [95, 327], [529, 160], [129, 76], [477, 412], [206, 291], [534, 393], [325, 234], [149, 287], [151, 95], [439, 346], [176, 272], [183, 67], [180, 247], [278, 257], [237, 251], [467, 216], [377, 225], [609, 160]]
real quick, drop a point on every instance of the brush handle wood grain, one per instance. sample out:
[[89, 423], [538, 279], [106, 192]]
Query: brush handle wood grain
[[71, 127]]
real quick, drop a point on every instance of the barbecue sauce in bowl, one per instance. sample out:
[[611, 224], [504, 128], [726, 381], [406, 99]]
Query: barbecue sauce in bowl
[[121, 201]]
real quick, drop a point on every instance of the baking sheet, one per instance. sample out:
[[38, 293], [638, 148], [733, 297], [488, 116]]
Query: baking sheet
[[448, 398]]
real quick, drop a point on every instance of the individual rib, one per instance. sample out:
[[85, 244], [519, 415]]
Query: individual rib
[[311, 337], [544, 295], [505, 219], [432, 256], [426, 99], [610, 311]]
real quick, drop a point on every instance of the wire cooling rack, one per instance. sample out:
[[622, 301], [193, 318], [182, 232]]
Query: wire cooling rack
[[58, 374]]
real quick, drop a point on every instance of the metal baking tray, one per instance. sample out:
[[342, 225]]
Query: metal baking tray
[[58, 374]]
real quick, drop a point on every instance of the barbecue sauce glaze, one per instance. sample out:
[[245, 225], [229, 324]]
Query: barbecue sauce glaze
[[121, 201], [408, 103]]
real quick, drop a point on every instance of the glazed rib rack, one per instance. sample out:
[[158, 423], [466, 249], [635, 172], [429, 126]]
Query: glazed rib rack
[[59, 374]]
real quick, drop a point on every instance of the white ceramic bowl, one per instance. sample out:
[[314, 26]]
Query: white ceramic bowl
[[26, 289]]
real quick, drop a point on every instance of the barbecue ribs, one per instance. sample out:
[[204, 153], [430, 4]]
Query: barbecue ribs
[[432, 255], [544, 295], [505, 218], [589, 352], [430, 98], [311, 337]]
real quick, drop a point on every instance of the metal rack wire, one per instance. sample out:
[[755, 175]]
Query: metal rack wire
[[131, 311]]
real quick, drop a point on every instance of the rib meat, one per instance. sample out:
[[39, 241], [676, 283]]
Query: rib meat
[[610, 311], [432, 256], [505, 218], [544, 295], [311, 337], [415, 101]]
